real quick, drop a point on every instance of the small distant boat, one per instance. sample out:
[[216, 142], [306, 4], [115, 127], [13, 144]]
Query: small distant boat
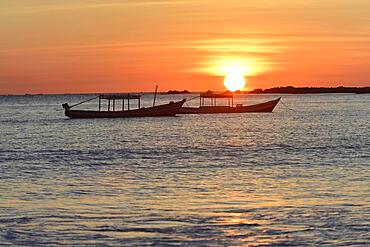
[[238, 108], [170, 109]]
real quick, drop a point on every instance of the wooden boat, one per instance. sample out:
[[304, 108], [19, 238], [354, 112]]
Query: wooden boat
[[170, 109], [238, 108]]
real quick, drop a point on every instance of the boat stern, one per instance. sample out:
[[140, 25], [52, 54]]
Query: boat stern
[[66, 106]]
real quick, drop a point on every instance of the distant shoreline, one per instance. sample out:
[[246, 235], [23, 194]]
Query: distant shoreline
[[176, 92], [311, 90], [274, 90]]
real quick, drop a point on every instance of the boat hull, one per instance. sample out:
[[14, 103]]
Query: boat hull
[[166, 110], [262, 107]]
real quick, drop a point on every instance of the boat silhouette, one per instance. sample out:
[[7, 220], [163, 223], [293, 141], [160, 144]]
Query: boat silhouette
[[230, 108], [170, 109]]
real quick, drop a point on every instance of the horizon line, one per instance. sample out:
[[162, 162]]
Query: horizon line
[[164, 92]]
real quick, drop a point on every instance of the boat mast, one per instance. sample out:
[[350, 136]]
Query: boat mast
[[155, 95]]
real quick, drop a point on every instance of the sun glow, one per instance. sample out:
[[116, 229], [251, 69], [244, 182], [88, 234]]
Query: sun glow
[[224, 65], [234, 80], [234, 69]]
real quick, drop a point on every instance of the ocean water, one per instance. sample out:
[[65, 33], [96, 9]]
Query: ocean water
[[298, 176]]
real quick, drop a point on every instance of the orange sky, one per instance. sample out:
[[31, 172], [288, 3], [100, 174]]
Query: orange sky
[[112, 46]]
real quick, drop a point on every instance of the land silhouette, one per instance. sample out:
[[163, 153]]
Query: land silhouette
[[176, 92], [311, 90], [291, 90]]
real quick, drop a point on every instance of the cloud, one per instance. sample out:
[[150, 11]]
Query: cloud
[[83, 5]]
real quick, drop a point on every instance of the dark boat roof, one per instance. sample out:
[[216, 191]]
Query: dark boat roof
[[216, 95], [120, 96]]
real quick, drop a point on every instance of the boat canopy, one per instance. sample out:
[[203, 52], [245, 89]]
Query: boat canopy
[[218, 95], [119, 96], [213, 98]]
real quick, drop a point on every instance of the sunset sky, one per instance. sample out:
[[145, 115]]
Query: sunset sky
[[67, 46]]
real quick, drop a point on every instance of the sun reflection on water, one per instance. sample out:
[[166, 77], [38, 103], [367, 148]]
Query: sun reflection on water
[[242, 229]]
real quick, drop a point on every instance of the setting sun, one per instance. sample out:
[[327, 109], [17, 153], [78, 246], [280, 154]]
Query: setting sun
[[234, 81]]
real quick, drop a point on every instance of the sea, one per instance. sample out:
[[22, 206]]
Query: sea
[[299, 176]]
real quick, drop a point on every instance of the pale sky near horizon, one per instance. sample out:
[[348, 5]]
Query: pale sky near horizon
[[112, 46]]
